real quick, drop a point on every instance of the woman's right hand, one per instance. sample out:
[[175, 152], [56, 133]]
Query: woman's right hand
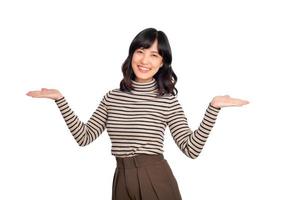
[[45, 93]]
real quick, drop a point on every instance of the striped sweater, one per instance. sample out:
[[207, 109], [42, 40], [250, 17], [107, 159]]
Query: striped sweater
[[136, 121]]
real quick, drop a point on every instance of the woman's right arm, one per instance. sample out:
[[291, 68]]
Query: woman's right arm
[[84, 133]]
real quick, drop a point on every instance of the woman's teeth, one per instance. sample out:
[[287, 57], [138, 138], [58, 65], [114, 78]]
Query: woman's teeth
[[143, 69]]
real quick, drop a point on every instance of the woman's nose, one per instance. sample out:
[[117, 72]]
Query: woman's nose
[[145, 59]]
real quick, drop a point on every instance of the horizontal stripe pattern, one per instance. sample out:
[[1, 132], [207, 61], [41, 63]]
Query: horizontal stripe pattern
[[136, 122], [190, 142]]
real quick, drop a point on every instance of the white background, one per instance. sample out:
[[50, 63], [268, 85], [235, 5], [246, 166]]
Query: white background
[[247, 49]]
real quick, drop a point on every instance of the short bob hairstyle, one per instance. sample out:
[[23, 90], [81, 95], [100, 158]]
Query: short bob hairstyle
[[165, 76]]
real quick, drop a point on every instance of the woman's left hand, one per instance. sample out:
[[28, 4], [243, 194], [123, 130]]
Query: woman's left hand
[[226, 101]]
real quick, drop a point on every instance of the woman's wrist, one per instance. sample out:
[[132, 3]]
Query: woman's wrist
[[59, 97], [214, 105]]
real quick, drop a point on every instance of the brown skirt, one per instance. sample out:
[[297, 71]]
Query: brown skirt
[[144, 177]]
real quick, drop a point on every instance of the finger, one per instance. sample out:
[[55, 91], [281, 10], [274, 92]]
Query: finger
[[241, 102], [238, 102], [246, 102], [34, 94]]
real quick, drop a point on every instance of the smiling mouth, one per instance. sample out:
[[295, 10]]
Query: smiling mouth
[[143, 69]]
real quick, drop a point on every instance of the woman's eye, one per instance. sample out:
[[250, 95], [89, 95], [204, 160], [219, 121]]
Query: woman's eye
[[155, 55]]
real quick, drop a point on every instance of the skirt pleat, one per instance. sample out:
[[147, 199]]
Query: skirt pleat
[[144, 177]]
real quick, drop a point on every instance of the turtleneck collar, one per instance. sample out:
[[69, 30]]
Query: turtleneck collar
[[147, 87]]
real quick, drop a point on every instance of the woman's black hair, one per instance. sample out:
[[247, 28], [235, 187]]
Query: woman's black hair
[[165, 76]]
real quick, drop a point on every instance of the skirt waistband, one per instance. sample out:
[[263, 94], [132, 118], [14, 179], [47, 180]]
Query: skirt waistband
[[139, 160]]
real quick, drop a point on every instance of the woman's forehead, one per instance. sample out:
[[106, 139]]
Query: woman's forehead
[[151, 47]]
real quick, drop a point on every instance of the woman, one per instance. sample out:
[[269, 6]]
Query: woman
[[136, 115]]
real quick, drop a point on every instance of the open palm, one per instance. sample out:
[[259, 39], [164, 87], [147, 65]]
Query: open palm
[[45, 93], [226, 101]]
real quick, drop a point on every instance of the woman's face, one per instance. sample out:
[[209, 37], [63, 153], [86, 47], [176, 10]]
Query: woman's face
[[146, 62]]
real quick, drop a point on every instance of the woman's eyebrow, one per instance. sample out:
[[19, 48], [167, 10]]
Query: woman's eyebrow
[[142, 48]]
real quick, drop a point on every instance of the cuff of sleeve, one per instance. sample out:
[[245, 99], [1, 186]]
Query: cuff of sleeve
[[58, 100], [213, 107]]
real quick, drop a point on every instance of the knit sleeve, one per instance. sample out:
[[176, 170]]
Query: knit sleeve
[[190, 142], [84, 133]]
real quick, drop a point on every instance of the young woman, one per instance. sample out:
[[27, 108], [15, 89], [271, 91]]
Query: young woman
[[136, 115]]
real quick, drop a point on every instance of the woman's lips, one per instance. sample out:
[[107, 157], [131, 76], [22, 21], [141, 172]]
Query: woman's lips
[[143, 69]]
